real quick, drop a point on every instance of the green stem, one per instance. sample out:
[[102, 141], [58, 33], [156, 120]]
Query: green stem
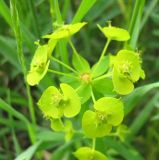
[[61, 73], [73, 48], [104, 50], [94, 144], [65, 65], [52, 11], [102, 77], [92, 95], [102, 54]]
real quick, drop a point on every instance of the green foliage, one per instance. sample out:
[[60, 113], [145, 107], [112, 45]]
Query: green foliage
[[83, 98], [80, 64], [108, 74], [102, 67]]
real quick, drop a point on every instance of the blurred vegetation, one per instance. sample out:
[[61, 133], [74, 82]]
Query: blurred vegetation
[[18, 135]]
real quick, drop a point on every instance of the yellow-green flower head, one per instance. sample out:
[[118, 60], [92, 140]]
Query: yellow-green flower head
[[40, 63], [86, 153], [114, 33], [126, 71], [55, 104], [66, 31], [109, 112]]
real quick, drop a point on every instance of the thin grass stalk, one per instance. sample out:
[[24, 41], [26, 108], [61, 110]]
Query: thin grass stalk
[[57, 22], [35, 19], [17, 31], [134, 27]]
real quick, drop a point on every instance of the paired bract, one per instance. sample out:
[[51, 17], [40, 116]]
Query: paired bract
[[126, 71], [114, 33], [66, 31], [55, 104], [39, 65], [108, 112]]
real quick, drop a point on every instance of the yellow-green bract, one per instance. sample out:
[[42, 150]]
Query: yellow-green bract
[[55, 104], [114, 33], [66, 31], [127, 70], [86, 153], [109, 112], [40, 62]]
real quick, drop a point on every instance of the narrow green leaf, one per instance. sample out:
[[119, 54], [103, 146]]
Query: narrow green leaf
[[7, 49], [104, 86], [135, 23], [85, 6], [102, 67], [135, 97], [80, 64], [28, 154], [12, 111], [4, 11], [124, 150], [143, 116], [84, 92]]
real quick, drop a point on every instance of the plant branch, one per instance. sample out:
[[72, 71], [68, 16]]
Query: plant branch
[[61, 73], [65, 65]]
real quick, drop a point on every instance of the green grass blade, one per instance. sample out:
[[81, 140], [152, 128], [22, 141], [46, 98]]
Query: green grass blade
[[135, 97], [5, 12], [7, 49], [29, 153], [34, 18], [149, 10], [125, 151], [16, 143], [9, 109], [57, 17], [13, 112], [143, 116], [29, 38], [134, 28], [84, 7]]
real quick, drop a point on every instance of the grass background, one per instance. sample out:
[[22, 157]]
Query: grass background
[[20, 137]]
